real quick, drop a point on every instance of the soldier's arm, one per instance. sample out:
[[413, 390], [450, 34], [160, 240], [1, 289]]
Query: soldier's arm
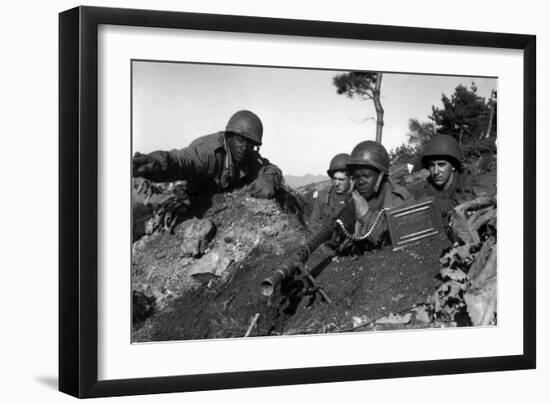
[[152, 166], [194, 163], [163, 166], [375, 220]]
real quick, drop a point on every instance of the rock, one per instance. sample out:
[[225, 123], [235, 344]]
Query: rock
[[360, 321], [196, 234], [422, 315], [138, 245], [214, 263], [395, 319]]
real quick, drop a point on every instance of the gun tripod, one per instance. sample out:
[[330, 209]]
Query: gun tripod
[[309, 286]]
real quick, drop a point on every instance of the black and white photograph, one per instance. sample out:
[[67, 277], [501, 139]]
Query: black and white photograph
[[270, 201], [275, 202]]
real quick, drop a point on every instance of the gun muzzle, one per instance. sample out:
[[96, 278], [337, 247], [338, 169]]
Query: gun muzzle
[[270, 284]]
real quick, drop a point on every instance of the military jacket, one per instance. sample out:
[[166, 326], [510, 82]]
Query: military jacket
[[326, 205], [206, 165], [461, 190], [391, 195]]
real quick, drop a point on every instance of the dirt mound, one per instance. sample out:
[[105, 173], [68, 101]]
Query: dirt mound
[[203, 254], [208, 285], [202, 280], [362, 288]]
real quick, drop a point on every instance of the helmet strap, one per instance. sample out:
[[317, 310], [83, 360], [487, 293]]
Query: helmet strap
[[378, 182]]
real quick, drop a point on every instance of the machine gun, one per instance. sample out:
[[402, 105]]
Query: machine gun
[[407, 223], [294, 266]]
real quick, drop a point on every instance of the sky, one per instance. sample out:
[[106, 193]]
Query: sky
[[305, 121]]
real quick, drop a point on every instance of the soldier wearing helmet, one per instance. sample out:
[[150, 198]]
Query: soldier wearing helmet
[[360, 223], [329, 200], [216, 162], [447, 182], [221, 161], [373, 191]]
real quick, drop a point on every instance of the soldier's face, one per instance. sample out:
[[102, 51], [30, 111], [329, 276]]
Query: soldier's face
[[239, 147], [364, 181], [341, 182], [441, 172]]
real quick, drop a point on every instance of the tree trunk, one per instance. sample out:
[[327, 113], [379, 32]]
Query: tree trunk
[[379, 109]]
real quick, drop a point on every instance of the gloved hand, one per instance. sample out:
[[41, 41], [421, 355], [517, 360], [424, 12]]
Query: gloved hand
[[262, 187], [149, 166]]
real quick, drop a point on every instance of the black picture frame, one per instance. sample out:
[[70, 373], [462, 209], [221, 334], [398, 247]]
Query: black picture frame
[[78, 201]]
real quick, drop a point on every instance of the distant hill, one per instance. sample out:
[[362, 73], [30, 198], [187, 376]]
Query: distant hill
[[296, 181]]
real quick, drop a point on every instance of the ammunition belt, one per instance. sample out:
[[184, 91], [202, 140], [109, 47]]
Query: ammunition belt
[[353, 238]]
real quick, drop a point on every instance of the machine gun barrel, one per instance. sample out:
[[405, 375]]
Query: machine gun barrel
[[290, 266], [283, 272]]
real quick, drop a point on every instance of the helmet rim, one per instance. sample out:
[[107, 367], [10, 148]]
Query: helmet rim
[[371, 154], [444, 146], [246, 124]]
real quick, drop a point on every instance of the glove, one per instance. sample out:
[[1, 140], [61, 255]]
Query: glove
[[262, 187], [150, 166]]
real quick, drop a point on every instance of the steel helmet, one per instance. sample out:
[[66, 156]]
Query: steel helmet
[[247, 124], [370, 153], [338, 163], [443, 146]]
